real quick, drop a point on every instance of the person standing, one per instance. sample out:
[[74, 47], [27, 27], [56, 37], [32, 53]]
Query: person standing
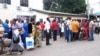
[[1, 37], [25, 26], [6, 26], [75, 28], [68, 29], [42, 28], [62, 29], [54, 29], [91, 30], [47, 25], [86, 29], [15, 39], [29, 27], [38, 34], [21, 28]]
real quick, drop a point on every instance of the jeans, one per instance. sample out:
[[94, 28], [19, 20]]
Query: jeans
[[71, 35], [67, 34], [91, 37], [42, 34]]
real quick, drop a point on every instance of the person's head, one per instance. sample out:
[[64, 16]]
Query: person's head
[[54, 20], [19, 20], [48, 19], [44, 22], [73, 19], [69, 18], [85, 20], [41, 20], [0, 21], [22, 21], [38, 23], [14, 21], [7, 21]]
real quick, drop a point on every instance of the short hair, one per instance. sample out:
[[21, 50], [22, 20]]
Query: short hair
[[69, 18]]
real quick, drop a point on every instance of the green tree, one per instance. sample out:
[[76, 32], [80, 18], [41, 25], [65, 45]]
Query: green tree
[[67, 6]]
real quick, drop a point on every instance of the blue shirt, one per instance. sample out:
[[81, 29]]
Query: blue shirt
[[6, 27]]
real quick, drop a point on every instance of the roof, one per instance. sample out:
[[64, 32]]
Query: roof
[[57, 13]]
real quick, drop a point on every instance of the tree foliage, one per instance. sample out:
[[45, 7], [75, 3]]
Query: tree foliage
[[67, 6]]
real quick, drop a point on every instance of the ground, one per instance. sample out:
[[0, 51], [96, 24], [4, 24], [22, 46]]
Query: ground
[[62, 48]]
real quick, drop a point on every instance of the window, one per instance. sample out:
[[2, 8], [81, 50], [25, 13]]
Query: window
[[5, 1], [24, 3]]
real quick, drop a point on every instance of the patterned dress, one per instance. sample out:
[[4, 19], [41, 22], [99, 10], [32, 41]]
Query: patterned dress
[[38, 36]]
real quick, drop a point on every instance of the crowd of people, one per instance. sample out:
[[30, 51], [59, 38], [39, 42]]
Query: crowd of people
[[69, 29]]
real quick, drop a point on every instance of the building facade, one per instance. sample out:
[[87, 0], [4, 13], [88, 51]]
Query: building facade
[[10, 9]]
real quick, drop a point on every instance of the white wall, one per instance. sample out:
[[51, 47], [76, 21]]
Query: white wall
[[12, 12], [41, 16]]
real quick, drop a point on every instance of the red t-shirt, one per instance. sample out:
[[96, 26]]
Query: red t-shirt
[[42, 26], [54, 25]]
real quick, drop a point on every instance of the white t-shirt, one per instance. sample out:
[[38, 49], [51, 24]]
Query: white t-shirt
[[62, 27], [69, 24]]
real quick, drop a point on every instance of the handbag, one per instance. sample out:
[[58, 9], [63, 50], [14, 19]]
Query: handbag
[[16, 40], [29, 43]]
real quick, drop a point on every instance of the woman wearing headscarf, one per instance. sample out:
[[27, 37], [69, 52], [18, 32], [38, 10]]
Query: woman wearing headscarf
[[38, 35], [86, 29]]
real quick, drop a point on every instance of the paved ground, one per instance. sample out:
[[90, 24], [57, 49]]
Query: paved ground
[[62, 48]]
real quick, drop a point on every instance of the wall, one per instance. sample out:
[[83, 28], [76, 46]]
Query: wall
[[41, 16], [12, 12], [64, 17]]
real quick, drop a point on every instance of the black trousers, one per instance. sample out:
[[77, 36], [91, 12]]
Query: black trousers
[[47, 37], [75, 35], [60, 32], [50, 32], [54, 35]]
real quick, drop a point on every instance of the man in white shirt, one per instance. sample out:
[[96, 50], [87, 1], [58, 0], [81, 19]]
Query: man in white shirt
[[68, 29], [47, 27], [91, 28]]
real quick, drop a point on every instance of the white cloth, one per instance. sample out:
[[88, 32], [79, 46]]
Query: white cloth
[[20, 25], [1, 30], [62, 27], [21, 43], [16, 32], [99, 24], [47, 26], [68, 23], [91, 24]]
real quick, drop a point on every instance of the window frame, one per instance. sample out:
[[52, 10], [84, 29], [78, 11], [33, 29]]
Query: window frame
[[5, 1], [24, 3]]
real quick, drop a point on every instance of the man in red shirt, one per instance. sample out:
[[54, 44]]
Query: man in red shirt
[[42, 25], [54, 29]]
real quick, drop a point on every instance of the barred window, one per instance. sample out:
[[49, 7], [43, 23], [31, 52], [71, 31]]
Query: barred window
[[24, 3], [5, 1]]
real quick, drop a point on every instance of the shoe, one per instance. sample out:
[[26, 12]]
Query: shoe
[[48, 44], [19, 53], [91, 40], [8, 53], [67, 40]]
